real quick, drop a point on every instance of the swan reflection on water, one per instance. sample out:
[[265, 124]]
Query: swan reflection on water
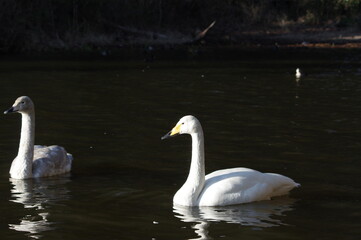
[[38, 195], [262, 214]]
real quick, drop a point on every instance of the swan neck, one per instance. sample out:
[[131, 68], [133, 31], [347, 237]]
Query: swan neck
[[197, 169], [24, 160], [188, 194]]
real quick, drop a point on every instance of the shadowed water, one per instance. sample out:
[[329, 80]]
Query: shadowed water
[[110, 115]]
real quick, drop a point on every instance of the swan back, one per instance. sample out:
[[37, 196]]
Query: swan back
[[50, 161], [243, 185]]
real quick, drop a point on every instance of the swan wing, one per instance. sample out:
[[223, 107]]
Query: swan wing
[[50, 161], [242, 185]]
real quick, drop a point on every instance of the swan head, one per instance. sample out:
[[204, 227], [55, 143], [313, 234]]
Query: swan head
[[22, 105], [186, 125]]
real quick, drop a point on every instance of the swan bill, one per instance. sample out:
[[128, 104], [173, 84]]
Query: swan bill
[[166, 136], [174, 132], [169, 135], [10, 110]]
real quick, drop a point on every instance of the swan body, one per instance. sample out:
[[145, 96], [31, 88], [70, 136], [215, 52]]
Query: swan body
[[35, 161], [227, 186], [298, 73]]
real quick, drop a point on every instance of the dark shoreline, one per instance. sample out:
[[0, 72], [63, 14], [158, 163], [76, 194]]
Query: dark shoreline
[[195, 53], [306, 43]]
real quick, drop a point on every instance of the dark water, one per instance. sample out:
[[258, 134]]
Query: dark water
[[111, 115]]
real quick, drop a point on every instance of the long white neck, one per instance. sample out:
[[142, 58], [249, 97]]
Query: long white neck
[[188, 194], [22, 165], [196, 174]]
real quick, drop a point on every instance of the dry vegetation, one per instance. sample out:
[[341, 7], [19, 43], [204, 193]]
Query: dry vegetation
[[87, 25]]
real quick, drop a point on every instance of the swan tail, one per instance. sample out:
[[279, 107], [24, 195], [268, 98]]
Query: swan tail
[[282, 184], [70, 162], [70, 157]]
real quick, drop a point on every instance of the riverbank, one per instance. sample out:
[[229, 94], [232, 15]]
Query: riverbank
[[304, 38], [249, 44]]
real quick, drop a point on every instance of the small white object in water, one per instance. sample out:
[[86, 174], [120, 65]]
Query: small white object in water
[[155, 222], [298, 73]]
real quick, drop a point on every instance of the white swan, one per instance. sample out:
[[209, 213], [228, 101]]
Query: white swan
[[35, 161], [298, 73], [223, 187]]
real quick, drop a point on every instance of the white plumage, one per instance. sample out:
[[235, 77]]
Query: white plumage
[[223, 187], [35, 161]]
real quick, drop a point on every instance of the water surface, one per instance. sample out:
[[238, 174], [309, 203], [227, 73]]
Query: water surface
[[110, 115]]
